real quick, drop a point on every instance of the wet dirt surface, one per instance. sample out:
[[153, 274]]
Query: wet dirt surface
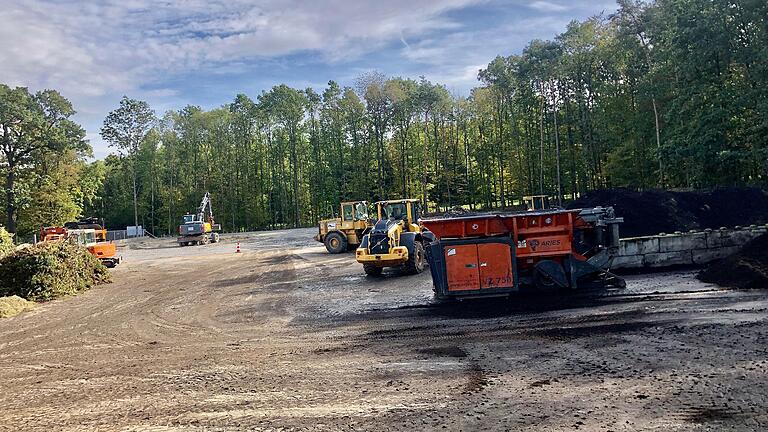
[[284, 336]]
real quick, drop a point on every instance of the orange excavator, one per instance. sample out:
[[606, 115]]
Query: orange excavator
[[90, 233]]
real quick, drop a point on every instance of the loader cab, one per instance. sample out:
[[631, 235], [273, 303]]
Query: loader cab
[[408, 210], [354, 211], [354, 215], [536, 202]]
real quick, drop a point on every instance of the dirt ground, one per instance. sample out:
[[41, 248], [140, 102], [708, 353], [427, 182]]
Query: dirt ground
[[287, 337]]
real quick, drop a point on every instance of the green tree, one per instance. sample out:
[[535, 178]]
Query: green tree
[[125, 128], [32, 127]]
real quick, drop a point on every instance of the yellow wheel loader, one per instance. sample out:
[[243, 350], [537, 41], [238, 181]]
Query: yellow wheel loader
[[396, 240], [340, 234]]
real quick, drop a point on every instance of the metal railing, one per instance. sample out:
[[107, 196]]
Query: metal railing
[[113, 235]]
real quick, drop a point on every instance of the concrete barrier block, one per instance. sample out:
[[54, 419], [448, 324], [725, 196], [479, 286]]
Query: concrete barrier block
[[683, 242], [730, 238], [740, 238], [627, 261], [705, 256], [638, 246], [665, 259], [718, 238]]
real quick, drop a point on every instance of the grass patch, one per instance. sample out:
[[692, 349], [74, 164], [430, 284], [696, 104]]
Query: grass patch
[[50, 270], [14, 305]]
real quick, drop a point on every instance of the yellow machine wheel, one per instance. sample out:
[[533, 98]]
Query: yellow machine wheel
[[416, 261], [372, 270], [335, 243]]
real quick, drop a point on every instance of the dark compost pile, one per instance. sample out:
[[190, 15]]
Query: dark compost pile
[[656, 211], [747, 268]]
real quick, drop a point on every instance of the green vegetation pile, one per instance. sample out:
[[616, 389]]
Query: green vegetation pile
[[14, 305], [6, 242], [747, 268], [50, 270]]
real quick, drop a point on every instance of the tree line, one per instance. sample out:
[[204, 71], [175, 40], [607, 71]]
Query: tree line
[[668, 94]]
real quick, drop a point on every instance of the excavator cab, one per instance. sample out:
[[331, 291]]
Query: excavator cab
[[84, 237]]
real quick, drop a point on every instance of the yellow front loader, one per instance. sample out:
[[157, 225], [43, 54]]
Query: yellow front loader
[[340, 234], [396, 240]]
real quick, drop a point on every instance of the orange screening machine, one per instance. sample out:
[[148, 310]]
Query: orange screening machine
[[497, 254]]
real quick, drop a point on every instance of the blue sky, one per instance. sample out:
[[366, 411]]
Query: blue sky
[[204, 52]]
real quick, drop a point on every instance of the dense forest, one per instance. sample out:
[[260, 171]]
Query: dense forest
[[668, 94]]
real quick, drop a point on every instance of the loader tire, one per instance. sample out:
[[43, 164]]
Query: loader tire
[[215, 238], [416, 260], [335, 243], [372, 270]]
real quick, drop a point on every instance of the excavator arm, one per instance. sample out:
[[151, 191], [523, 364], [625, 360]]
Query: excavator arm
[[205, 204]]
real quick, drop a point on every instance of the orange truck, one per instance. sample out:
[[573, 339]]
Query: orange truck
[[91, 234]]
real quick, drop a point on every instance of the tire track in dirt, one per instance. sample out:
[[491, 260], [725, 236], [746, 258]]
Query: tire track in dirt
[[286, 336]]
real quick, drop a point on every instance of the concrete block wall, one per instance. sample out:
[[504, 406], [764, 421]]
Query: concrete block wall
[[691, 248]]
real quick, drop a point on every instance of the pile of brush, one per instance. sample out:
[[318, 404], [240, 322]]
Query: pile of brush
[[50, 270], [6, 242]]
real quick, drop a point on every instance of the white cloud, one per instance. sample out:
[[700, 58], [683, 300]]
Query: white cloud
[[455, 59], [96, 51], [93, 48], [547, 6]]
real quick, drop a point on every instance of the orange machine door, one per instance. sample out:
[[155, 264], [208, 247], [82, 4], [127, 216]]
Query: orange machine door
[[461, 267], [495, 261]]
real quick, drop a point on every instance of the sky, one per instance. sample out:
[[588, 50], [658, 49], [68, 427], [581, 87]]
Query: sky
[[204, 52]]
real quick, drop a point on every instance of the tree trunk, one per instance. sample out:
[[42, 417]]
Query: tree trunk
[[424, 162], [658, 142], [10, 196], [152, 221], [135, 201], [557, 155], [294, 158], [541, 152]]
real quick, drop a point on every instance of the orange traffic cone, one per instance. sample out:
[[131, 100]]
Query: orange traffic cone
[[238, 248]]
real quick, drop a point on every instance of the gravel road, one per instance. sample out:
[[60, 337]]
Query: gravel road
[[284, 336]]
